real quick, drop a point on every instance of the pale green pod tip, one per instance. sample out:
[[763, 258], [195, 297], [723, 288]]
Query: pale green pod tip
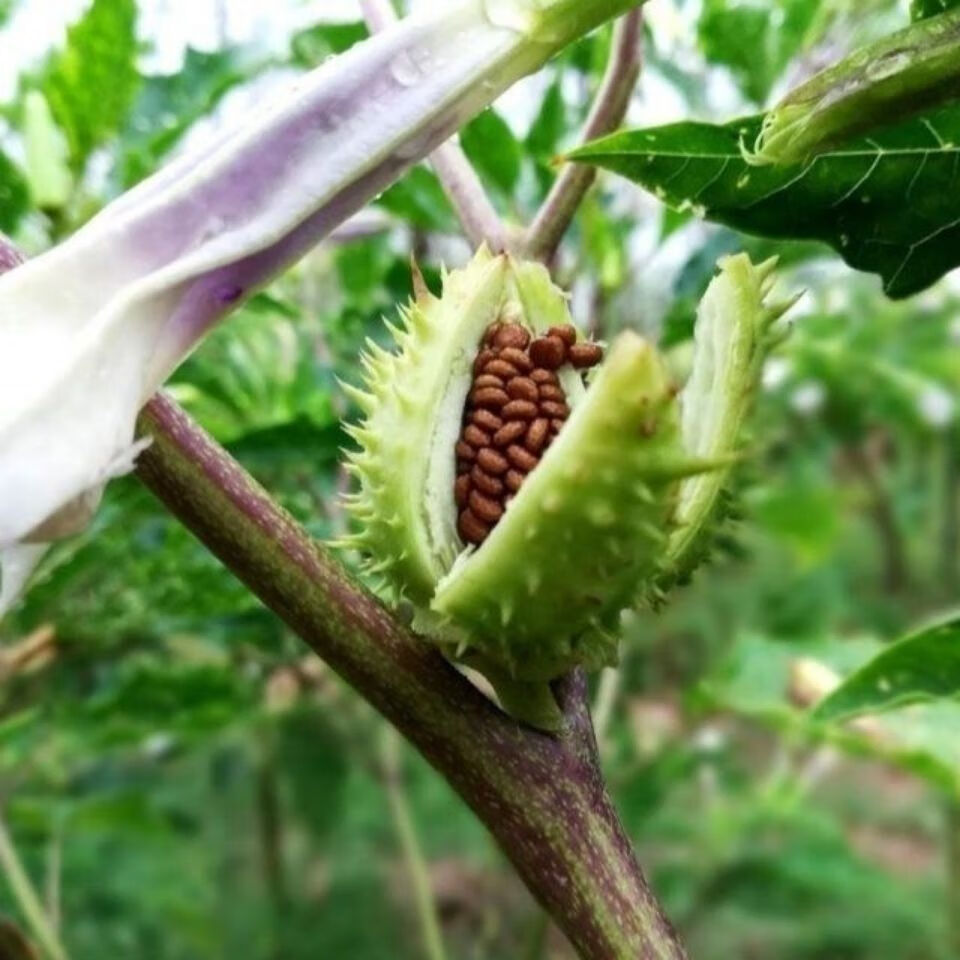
[[900, 76]]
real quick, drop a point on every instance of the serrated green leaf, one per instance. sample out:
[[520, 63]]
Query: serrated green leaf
[[922, 668], [90, 84], [888, 204]]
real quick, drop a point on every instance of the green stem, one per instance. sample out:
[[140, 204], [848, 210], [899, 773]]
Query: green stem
[[416, 864], [27, 899], [542, 797]]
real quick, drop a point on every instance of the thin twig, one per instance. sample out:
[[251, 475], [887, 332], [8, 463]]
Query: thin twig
[[608, 112], [477, 215], [27, 898], [391, 761]]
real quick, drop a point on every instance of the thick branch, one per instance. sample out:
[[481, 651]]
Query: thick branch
[[542, 797], [608, 112], [480, 221]]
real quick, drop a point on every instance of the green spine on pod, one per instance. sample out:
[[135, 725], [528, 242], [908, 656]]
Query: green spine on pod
[[618, 499]]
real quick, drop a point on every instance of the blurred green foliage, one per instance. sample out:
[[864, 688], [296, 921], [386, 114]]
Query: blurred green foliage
[[184, 782]]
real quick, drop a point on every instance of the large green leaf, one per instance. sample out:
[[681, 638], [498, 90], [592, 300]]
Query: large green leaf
[[922, 668], [888, 204], [91, 83]]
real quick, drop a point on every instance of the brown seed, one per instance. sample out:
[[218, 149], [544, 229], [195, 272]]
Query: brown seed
[[522, 459], [508, 433], [461, 490], [487, 509], [549, 391], [486, 420], [537, 435], [521, 388], [491, 333], [556, 411], [488, 380], [476, 437], [541, 377], [520, 410], [492, 462], [483, 358], [557, 425], [500, 368], [491, 486], [464, 466], [548, 352], [584, 355], [512, 335], [491, 397], [465, 452], [514, 480], [518, 358], [567, 333], [472, 528]]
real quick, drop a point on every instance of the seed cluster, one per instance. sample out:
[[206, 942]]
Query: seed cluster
[[515, 409]]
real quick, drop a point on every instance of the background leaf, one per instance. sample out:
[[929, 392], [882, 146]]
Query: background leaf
[[755, 42], [493, 149], [14, 194], [168, 105], [921, 668], [91, 83], [920, 9]]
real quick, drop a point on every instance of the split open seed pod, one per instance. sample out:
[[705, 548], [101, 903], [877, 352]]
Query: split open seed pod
[[520, 545]]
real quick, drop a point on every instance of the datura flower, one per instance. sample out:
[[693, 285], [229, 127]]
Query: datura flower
[[90, 330], [521, 503]]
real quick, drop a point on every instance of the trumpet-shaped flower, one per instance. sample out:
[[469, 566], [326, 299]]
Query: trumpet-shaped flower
[[91, 329]]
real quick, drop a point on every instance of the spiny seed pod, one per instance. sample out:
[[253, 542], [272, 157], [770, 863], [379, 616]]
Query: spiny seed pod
[[889, 81], [516, 506]]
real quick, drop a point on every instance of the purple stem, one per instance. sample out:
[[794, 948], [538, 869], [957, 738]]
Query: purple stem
[[543, 798]]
